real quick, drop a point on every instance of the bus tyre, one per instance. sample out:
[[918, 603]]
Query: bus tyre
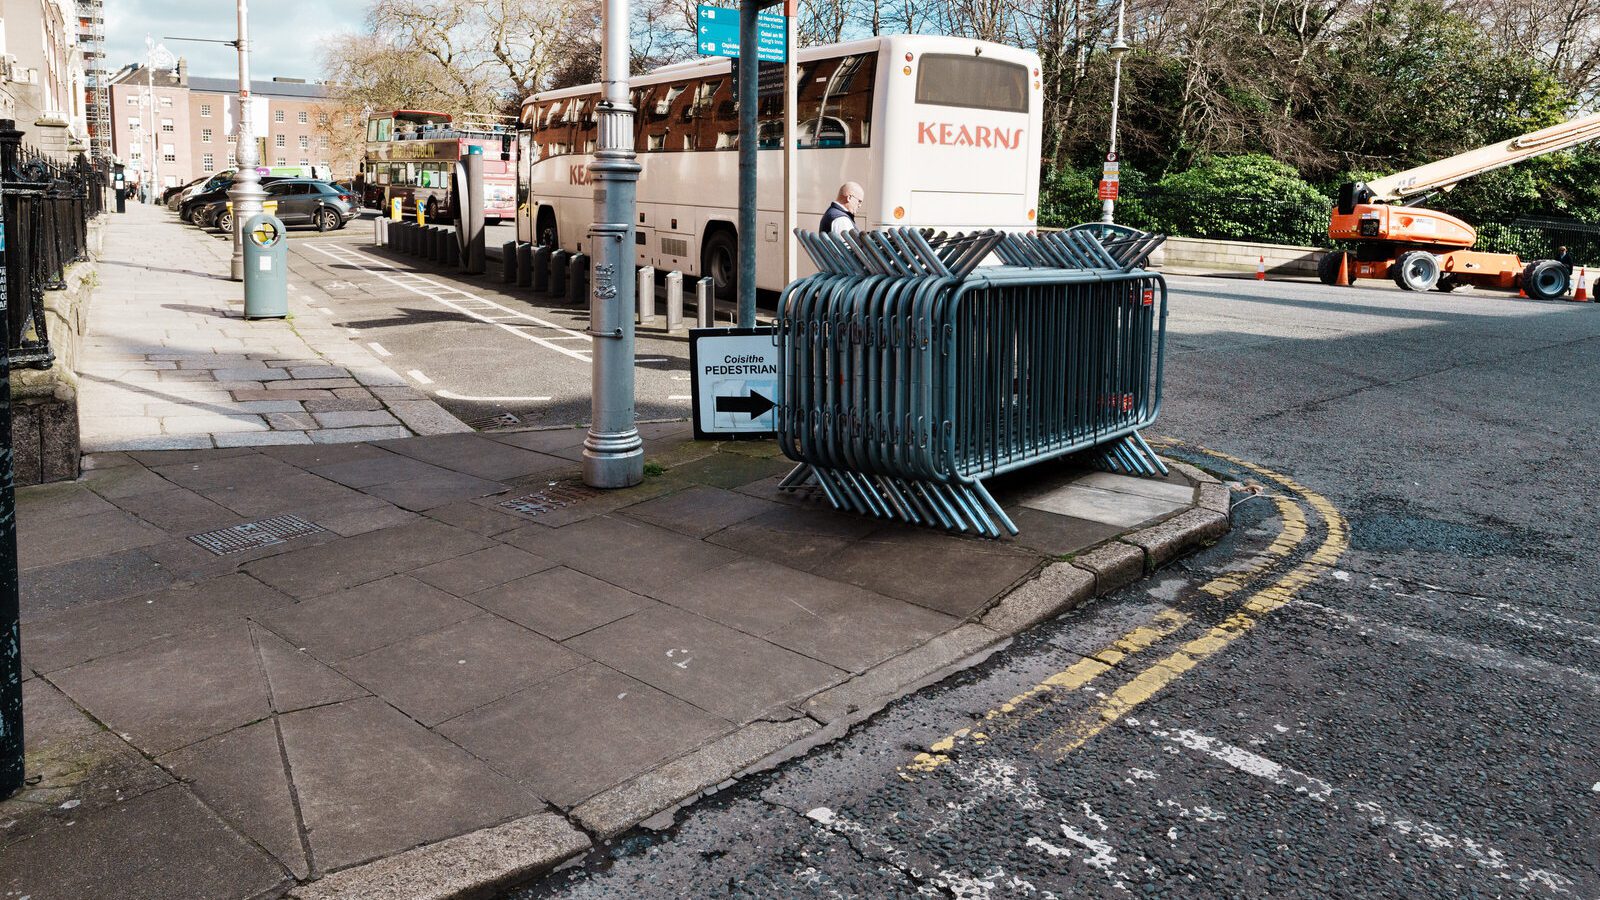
[[1328, 268], [327, 220], [1416, 270], [719, 259], [432, 209], [1545, 279]]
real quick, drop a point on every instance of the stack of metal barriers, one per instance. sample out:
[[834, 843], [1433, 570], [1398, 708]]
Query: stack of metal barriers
[[911, 372]]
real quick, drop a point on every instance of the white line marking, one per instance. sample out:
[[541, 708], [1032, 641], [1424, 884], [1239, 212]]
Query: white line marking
[[324, 310], [449, 396], [420, 378], [679, 397], [414, 283], [378, 348]]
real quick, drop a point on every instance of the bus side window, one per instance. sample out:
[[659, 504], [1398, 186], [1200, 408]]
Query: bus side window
[[680, 128], [835, 108]]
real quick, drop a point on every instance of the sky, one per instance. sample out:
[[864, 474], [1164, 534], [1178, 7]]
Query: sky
[[285, 35]]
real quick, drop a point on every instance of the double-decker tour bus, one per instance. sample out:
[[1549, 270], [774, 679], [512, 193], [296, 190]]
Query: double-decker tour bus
[[411, 155], [941, 132]]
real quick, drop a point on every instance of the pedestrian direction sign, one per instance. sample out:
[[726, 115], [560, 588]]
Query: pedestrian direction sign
[[735, 372], [717, 33]]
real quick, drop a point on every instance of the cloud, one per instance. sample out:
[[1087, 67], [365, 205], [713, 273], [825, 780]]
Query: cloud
[[285, 35]]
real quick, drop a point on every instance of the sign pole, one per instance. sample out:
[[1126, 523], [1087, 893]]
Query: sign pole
[[613, 452], [749, 96], [791, 146], [11, 745]]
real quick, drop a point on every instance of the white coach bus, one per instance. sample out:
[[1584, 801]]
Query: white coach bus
[[941, 132]]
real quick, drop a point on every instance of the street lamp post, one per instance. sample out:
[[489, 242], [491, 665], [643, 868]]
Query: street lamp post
[[613, 453], [1118, 49], [246, 192]]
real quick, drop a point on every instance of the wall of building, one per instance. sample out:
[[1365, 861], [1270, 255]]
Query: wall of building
[[44, 73]]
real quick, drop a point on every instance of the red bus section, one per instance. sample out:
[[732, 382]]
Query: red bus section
[[412, 154]]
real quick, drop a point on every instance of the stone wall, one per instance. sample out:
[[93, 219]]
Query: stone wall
[[44, 402], [1240, 256]]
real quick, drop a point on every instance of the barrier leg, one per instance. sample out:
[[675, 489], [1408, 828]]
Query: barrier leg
[[508, 262]]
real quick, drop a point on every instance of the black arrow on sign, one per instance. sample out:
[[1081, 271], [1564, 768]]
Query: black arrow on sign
[[755, 404]]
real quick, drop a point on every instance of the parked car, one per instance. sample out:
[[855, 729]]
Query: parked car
[[301, 201], [215, 189], [171, 195]]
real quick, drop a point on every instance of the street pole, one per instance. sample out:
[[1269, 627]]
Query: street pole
[[11, 744], [613, 453], [150, 126], [749, 96], [246, 192], [1118, 49], [791, 149]]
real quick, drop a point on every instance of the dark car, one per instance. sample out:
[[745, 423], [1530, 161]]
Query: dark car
[[301, 201], [171, 195], [215, 189]]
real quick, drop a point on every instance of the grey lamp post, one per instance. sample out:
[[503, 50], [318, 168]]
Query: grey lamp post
[[613, 453], [246, 192], [1118, 49]]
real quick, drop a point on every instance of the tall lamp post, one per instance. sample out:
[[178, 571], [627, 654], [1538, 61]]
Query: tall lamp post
[[156, 56], [1118, 49], [246, 193]]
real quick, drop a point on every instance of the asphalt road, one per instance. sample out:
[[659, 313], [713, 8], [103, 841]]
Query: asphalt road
[[1385, 683]]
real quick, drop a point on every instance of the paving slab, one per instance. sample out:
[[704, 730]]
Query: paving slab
[[575, 735], [372, 782], [700, 510], [344, 624], [560, 603], [364, 557], [640, 557], [1113, 508], [51, 590], [473, 572]]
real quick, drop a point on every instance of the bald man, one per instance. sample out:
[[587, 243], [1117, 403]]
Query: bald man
[[841, 213]]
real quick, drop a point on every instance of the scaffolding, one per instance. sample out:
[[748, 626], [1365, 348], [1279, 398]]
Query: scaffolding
[[97, 79]]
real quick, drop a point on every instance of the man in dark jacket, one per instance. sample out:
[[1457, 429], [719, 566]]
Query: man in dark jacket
[[841, 213], [1564, 256]]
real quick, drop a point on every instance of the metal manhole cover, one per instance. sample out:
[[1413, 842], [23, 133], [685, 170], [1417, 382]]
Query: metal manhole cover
[[555, 496], [251, 535], [502, 420]]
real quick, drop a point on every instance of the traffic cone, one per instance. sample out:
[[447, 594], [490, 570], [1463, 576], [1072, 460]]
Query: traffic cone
[[1522, 292], [1582, 294], [1261, 269], [1344, 269]]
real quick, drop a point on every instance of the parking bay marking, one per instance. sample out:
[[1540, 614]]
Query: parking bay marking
[[1148, 682]]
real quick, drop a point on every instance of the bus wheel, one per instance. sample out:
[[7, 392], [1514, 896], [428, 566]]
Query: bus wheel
[[433, 209], [546, 235], [719, 258]]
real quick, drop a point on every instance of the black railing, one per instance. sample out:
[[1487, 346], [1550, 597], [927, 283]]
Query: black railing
[[47, 211]]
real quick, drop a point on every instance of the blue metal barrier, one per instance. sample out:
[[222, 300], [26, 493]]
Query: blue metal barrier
[[910, 373]]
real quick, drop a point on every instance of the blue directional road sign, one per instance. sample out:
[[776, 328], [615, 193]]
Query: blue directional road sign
[[718, 33]]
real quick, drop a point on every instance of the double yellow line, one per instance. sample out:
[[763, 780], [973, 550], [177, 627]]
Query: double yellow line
[[1150, 681]]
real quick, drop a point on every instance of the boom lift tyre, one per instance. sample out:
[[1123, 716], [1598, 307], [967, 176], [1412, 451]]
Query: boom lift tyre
[[1545, 279], [1416, 270], [1328, 267]]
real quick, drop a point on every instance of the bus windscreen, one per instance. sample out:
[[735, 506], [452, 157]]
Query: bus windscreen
[[973, 82]]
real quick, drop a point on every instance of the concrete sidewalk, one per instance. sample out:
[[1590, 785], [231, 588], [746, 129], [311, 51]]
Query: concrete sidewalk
[[414, 667], [170, 363]]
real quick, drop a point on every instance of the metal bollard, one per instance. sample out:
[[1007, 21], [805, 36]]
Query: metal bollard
[[450, 243], [380, 231], [540, 270], [558, 273], [705, 309], [508, 262], [578, 280], [436, 242], [402, 235], [674, 301], [647, 295]]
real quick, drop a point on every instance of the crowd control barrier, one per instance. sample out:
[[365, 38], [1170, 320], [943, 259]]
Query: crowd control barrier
[[909, 373]]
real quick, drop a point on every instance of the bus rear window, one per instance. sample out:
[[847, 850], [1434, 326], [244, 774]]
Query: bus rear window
[[947, 79]]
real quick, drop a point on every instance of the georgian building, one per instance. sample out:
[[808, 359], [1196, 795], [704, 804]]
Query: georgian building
[[42, 78]]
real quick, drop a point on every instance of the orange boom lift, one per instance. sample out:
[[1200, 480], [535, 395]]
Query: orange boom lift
[[1424, 249]]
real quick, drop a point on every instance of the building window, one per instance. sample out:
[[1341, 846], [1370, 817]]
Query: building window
[[205, 135], [167, 154], [208, 163], [277, 116], [277, 140], [303, 117], [305, 162], [233, 139], [282, 162], [322, 119], [133, 122], [322, 142], [135, 153], [166, 125], [305, 142], [205, 110], [133, 99], [166, 101], [349, 120]]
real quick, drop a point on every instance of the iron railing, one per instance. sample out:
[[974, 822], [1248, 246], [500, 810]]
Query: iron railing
[[909, 373], [47, 208]]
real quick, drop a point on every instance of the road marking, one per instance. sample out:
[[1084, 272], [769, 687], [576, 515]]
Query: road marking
[[324, 310], [419, 377], [419, 285], [679, 397], [1081, 673], [378, 348], [449, 396]]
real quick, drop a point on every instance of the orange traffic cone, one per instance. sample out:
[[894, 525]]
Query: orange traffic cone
[[1344, 269], [1522, 292], [1261, 269], [1582, 294]]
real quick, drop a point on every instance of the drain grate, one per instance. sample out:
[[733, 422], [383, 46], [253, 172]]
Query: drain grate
[[251, 535], [502, 420], [555, 496]]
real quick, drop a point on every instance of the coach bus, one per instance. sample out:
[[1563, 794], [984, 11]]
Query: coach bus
[[941, 132], [411, 156]]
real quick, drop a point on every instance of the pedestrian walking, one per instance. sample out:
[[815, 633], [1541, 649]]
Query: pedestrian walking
[[1564, 256], [841, 213]]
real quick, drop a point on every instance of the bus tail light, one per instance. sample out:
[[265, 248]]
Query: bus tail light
[[1031, 214], [906, 70], [899, 212], [908, 59]]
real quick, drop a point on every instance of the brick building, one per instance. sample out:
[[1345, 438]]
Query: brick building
[[192, 130]]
